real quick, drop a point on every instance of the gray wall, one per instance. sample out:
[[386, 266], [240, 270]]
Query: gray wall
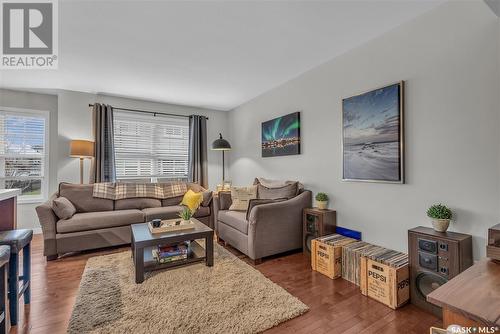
[[449, 60]]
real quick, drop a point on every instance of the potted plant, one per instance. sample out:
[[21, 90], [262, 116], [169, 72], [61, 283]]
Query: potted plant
[[440, 216], [186, 215], [321, 201]]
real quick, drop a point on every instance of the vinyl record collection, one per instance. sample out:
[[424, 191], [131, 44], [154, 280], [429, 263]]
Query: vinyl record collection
[[351, 255]]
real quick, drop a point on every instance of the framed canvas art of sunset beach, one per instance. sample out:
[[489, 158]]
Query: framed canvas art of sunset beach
[[372, 135]]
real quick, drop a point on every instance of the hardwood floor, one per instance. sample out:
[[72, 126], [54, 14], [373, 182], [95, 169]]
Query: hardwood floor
[[336, 306]]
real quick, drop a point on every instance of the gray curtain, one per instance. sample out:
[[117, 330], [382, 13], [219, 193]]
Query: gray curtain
[[103, 167], [198, 165]]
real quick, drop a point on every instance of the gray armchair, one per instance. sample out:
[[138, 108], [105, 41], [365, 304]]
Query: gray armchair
[[266, 230]]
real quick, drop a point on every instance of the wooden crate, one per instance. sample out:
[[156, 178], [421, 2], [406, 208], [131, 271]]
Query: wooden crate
[[327, 258], [386, 284]]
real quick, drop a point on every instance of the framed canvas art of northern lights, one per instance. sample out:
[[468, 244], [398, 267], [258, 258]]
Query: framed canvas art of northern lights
[[281, 136]]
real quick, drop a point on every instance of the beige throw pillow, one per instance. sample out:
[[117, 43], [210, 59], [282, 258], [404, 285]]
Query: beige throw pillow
[[241, 196]]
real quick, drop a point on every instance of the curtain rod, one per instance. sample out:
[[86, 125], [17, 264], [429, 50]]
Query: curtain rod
[[148, 112]]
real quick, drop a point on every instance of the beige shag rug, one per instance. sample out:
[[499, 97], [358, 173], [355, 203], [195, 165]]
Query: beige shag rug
[[230, 297]]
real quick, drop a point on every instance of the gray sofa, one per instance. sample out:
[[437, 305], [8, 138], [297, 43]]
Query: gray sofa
[[100, 223], [267, 229]]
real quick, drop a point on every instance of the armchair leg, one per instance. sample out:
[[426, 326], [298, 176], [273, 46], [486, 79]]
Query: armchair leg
[[51, 257], [257, 261]]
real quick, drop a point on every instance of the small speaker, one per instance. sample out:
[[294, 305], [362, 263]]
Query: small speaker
[[316, 223]]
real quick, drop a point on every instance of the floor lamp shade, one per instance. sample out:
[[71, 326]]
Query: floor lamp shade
[[221, 144], [81, 149]]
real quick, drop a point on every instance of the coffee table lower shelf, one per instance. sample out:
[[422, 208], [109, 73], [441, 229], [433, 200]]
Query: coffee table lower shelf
[[196, 254]]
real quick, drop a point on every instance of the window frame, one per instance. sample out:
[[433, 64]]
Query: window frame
[[46, 156]]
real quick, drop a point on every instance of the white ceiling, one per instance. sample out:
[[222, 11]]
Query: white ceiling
[[216, 54]]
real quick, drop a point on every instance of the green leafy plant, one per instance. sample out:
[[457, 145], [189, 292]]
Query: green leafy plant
[[321, 197], [439, 211], [186, 214]]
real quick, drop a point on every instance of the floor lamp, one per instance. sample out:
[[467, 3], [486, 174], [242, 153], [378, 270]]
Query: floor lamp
[[83, 149], [221, 145]]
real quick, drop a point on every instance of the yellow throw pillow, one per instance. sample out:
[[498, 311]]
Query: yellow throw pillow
[[192, 200], [241, 196]]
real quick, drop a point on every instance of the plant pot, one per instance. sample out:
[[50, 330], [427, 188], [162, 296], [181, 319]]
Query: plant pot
[[186, 221], [322, 205], [440, 225]]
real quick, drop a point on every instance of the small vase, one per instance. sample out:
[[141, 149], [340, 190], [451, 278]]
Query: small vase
[[440, 225], [322, 205], [186, 221]]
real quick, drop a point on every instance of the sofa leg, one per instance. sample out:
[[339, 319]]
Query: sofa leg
[[51, 257], [257, 261]]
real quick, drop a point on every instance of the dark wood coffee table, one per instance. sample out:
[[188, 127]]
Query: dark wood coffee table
[[143, 242]]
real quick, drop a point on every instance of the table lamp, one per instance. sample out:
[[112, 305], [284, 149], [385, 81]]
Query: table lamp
[[83, 149]]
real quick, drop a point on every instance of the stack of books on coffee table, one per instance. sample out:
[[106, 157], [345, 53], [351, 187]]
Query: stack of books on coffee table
[[171, 253]]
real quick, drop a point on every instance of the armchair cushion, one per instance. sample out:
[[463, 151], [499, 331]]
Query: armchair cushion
[[287, 191], [235, 219]]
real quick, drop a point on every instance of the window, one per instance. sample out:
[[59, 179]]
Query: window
[[24, 152], [150, 148]]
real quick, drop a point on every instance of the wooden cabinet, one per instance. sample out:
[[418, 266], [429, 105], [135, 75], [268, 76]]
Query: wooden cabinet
[[316, 223]]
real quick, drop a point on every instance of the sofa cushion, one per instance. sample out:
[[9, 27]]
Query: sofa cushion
[[97, 220], [287, 191], [137, 203], [202, 211], [235, 219], [63, 208], [207, 198], [166, 212], [83, 200], [172, 201]]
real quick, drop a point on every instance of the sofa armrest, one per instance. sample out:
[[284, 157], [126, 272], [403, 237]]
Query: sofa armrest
[[277, 227], [48, 221]]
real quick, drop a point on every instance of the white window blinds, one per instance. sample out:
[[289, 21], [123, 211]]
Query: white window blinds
[[148, 147], [23, 152]]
